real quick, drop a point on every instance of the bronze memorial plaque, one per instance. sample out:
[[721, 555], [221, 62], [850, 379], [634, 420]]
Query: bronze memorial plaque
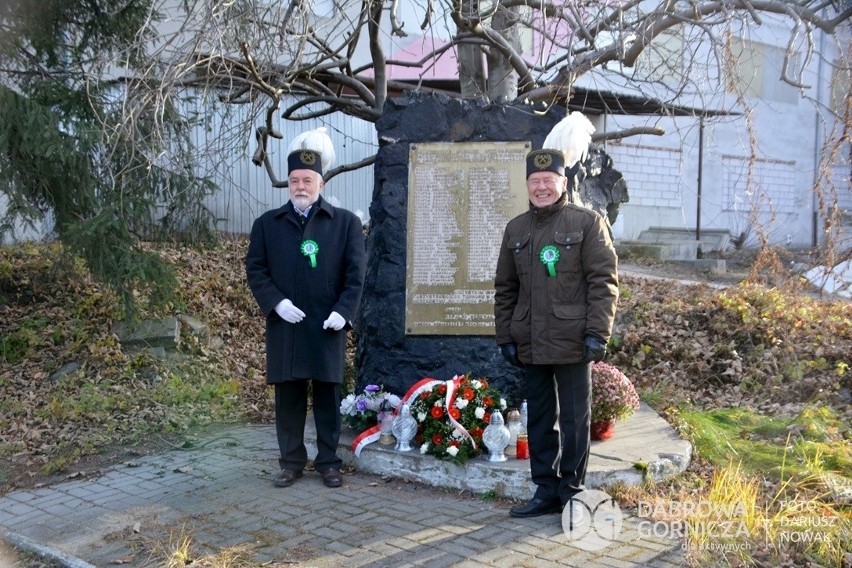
[[460, 197]]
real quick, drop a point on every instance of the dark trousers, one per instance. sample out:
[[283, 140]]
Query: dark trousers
[[291, 408], [559, 399]]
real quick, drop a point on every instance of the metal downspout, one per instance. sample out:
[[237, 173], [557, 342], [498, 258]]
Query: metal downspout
[[700, 179], [817, 147]]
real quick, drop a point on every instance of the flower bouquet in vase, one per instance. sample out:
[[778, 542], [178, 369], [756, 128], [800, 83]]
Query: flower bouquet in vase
[[361, 411], [613, 398]]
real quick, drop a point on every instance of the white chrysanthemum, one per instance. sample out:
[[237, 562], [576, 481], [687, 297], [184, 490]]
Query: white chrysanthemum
[[476, 384], [502, 404], [421, 416], [439, 402], [374, 402], [479, 412], [347, 405], [457, 435], [461, 403], [424, 448], [453, 451]]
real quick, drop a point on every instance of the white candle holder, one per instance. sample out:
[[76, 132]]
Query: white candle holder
[[404, 429], [496, 438]]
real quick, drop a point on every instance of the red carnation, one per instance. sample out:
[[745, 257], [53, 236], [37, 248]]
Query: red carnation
[[468, 394], [442, 390], [437, 439], [487, 418], [487, 402], [455, 413], [476, 433], [437, 412], [424, 395]]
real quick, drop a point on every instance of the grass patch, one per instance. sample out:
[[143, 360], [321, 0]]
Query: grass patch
[[810, 443], [736, 525]]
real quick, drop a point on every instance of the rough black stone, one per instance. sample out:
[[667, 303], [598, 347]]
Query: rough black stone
[[385, 354]]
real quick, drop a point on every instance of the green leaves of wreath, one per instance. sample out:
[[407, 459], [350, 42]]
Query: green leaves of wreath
[[549, 256], [310, 249]]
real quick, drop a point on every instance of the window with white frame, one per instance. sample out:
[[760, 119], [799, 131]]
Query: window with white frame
[[663, 59], [757, 71]]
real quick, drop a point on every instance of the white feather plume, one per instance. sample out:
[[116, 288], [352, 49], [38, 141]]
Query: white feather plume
[[318, 141], [572, 136]]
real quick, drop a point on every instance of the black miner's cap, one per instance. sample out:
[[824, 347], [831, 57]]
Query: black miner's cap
[[304, 160], [545, 160]]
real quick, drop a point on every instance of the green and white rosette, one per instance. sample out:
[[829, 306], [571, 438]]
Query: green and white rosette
[[310, 249], [549, 256]]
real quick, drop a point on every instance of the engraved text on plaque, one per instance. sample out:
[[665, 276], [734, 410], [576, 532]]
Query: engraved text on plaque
[[460, 197]]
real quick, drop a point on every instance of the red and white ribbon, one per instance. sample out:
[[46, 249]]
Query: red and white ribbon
[[368, 436], [450, 400]]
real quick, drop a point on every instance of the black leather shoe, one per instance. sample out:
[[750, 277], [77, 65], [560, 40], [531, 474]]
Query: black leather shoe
[[331, 478], [535, 508], [287, 477]]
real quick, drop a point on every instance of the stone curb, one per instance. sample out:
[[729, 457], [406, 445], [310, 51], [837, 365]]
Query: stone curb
[[44, 552]]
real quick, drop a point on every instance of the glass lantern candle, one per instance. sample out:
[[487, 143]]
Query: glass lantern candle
[[524, 412], [386, 419], [522, 449], [513, 423], [404, 429], [496, 438]]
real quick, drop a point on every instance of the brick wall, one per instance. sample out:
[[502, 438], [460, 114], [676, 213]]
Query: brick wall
[[652, 173], [772, 181]]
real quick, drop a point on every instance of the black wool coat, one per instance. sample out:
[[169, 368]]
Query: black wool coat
[[277, 269]]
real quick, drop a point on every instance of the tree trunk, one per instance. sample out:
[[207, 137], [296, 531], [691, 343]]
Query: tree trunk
[[471, 65], [502, 78]]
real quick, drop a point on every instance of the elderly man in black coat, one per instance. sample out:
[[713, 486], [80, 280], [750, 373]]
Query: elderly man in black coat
[[305, 267]]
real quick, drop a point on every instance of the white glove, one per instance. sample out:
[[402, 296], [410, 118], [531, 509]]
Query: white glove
[[335, 321], [289, 312]]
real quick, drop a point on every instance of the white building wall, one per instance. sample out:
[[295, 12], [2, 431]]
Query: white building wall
[[652, 173], [20, 232], [757, 172]]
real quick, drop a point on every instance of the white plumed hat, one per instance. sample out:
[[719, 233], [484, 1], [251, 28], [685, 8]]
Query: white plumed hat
[[571, 136], [318, 141]]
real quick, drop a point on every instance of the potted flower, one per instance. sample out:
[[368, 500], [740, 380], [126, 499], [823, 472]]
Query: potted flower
[[613, 398], [471, 402], [360, 411]]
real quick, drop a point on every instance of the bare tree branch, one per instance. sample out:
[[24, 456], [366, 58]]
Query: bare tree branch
[[627, 133]]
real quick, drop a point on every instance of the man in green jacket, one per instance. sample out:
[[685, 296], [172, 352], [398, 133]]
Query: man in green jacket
[[556, 290]]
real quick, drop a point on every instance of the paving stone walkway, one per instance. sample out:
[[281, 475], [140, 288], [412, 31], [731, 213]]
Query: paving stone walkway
[[220, 495]]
